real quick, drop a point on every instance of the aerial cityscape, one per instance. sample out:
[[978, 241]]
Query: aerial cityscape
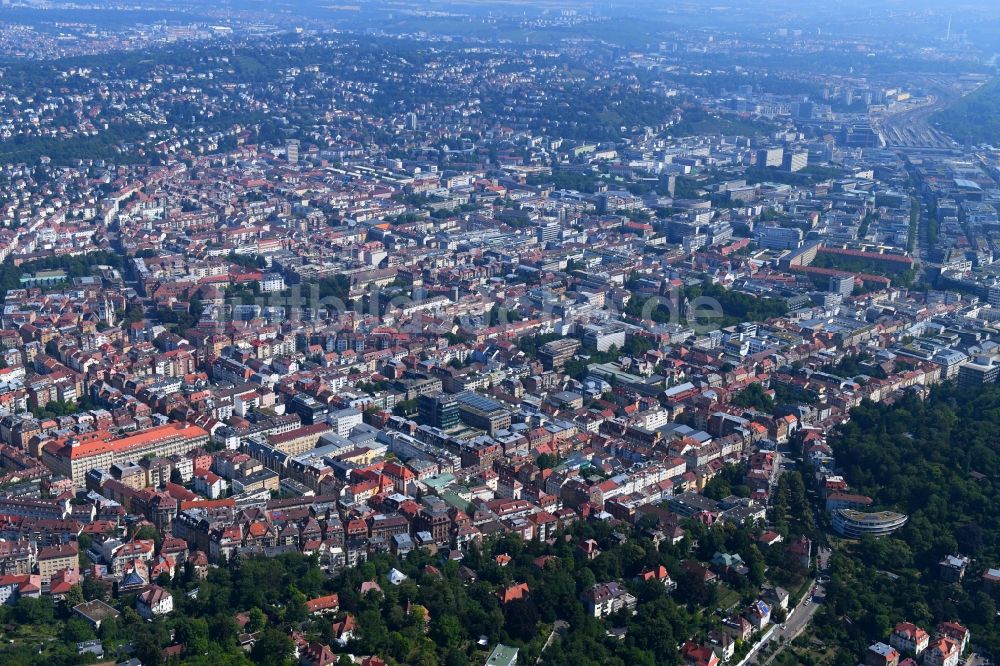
[[496, 332]]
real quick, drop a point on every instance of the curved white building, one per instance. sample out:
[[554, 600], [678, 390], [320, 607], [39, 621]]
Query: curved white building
[[856, 524]]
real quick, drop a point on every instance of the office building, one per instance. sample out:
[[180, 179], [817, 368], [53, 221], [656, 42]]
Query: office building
[[482, 412], [548, 233], [796, 160], [439, 411], [979, 371], [554, 354], [345, 420], [993, 295], [604, 336], [779, 238], [770, 157], [841, 284], [309, 409], [856, 524]]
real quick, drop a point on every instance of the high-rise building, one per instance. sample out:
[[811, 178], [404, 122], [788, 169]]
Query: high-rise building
[[548, 232], [978, 371], [292, 151], [842, 284], [309, 409], [993, 295], [770, 157], [604, 336], [440, 411], [554, 354], [803, 110], [795, 160], [411, 122], [345, 420], [779, 238]]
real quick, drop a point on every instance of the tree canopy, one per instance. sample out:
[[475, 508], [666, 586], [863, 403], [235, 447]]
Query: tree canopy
[[937, 460]]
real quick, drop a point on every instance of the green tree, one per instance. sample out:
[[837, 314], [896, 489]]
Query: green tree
[[272, 647], [77, 630], [193, 634], [29, 610], [74, 596], [754, 396], [521, 619], [257, 620]]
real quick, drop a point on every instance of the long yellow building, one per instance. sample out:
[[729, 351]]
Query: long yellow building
[[74, 456]]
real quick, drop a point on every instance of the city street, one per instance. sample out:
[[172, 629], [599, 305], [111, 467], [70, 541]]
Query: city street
[[798, 620], [799, 617]]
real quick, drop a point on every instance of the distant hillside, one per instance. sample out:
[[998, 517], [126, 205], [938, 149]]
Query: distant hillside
[[975, 117]]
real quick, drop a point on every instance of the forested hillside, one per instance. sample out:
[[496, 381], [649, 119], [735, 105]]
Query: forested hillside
[[975, 117], [939, 461]]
